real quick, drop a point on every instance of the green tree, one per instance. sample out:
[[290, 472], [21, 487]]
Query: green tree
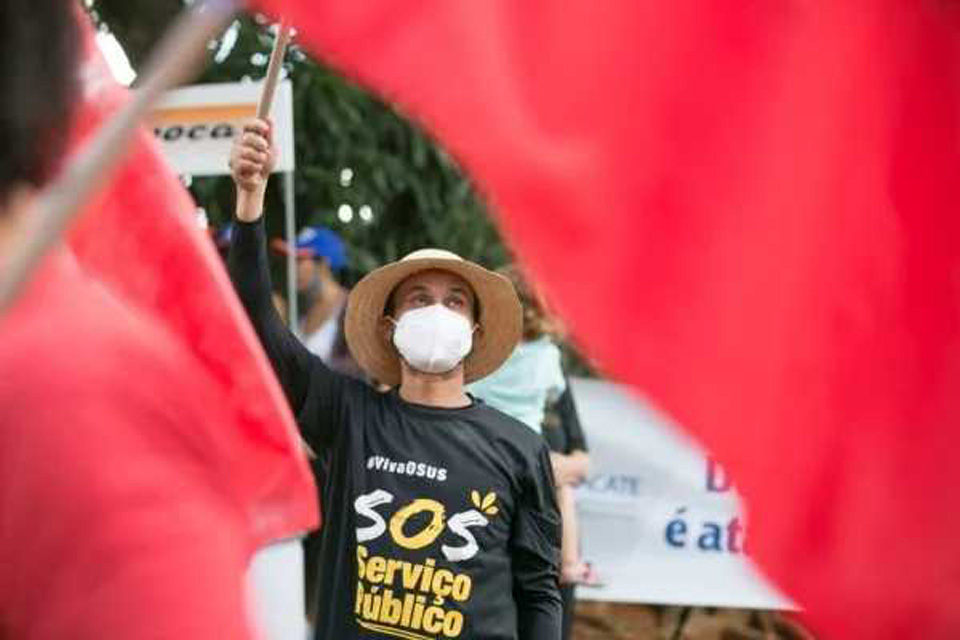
[[417, 194]]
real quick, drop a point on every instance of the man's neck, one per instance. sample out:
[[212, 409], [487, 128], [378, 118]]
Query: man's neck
[[327, 304], [444, 390]]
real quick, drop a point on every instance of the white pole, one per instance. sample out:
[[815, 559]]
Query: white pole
[[273, 70], [291, 233], [290, 223]]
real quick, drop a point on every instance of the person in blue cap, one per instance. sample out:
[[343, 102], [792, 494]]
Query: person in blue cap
[[322, 299]]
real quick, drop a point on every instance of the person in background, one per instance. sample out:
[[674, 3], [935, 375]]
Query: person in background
[[571, 466], [533, 375], [529, 381], [321, 298]]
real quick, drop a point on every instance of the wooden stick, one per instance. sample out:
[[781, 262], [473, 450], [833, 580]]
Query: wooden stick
[[175, 60], [273, 70]]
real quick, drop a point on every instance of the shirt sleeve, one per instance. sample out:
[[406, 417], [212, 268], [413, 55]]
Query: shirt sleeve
[[570, 422], [535, 547], [314, 391], [115, 521]]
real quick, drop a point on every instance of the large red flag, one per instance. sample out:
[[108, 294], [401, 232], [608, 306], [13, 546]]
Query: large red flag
[[140, 239], [748, 211]]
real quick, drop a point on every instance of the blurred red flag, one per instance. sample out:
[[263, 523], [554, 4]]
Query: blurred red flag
[[140, 239], [748, 211]]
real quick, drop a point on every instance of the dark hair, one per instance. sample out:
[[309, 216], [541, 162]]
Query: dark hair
[[535, 315], [40, 47]]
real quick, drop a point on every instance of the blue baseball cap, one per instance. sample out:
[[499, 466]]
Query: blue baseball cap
[[224, 236], [317, 242]]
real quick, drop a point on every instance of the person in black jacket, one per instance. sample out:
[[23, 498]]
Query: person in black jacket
[[571, 465], [439, 516]]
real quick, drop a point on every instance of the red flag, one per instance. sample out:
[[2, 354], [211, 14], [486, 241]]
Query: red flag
[[145, 449], [140, 239], [747, 211]]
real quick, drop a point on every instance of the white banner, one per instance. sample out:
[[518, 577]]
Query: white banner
[[196, 125], [659, 519]]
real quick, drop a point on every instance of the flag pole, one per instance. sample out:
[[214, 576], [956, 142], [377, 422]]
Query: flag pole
[[173, 61], [284, 36], [273, 70]]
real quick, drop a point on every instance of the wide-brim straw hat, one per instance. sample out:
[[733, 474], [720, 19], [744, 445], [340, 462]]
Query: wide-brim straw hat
[[500, 315]]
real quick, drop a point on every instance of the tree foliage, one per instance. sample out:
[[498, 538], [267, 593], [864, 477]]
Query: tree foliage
[[135, 23], [416, 192]]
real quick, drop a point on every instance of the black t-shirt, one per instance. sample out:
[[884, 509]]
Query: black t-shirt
[[437, 523]]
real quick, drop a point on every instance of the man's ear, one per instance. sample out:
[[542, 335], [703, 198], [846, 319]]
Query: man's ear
[[475, 338], [387, 326]]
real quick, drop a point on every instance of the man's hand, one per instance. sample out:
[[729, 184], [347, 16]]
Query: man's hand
[[252, 159]]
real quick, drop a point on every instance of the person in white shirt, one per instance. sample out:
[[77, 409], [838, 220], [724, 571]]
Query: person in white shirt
[[322, 299], [320, 256]]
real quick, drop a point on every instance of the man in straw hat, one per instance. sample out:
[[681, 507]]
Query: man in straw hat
[[439, 513]]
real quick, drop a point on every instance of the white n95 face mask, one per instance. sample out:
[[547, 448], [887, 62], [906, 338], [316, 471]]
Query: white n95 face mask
[[433, 339]]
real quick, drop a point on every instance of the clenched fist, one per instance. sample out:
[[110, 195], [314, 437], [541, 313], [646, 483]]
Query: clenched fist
[[252, 159]]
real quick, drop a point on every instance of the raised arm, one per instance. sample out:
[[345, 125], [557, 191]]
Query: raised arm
[[251, 161]]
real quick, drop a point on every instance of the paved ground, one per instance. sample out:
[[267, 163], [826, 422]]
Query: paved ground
[[605, 621]]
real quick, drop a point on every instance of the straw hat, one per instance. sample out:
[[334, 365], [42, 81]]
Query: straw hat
[[500, 315]]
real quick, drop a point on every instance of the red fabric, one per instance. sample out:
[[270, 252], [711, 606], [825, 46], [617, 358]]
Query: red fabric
[[748, 211], [118, 514], [145, 447], [140, 239]]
